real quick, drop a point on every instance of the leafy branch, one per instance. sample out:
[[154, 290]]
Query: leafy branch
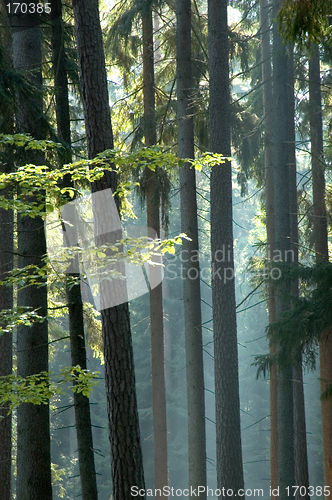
[[39, 389], [11, 318]]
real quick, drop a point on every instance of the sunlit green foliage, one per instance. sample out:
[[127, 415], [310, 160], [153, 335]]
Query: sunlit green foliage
[[305, 21], [39, 388], [301, 328]]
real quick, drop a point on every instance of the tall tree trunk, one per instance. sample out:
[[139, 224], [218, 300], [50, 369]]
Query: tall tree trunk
[[229, 453], [6, 302], [127, 463], [270, 236], [6, 293], [156, 294], [81, 402], [191, 282], [301, 473], [33, 448], [321, 246], [60, 79], [74, 298], [300, 437], [282, 238]]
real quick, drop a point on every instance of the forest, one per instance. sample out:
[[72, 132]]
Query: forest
[[166, 223]]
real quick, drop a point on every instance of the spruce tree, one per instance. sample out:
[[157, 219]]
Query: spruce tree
[[152, 195], [301, 473], [228, 430], [282, 245], [6, 261], [127, 464], [321, 243], [6, 340], [190, 273], [73, 291], [269, 206], [33, 427]]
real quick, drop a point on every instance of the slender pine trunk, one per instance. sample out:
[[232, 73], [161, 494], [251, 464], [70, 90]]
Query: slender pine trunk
[[300, 436], [191, 282], [127, 463], [60, 80], [156, 295], [6, 302], [321, 246], [228, 430], [74, 298], [6, 293], [33, 448], [282, 240], [270, 235]]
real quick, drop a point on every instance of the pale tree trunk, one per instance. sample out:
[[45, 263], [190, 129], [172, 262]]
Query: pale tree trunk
[[127, 463], [74, 298], [33, 448], [282, 241], [228, 431], [321, 247], [270, 236], [156, 295], [191, 281], [301, 473]]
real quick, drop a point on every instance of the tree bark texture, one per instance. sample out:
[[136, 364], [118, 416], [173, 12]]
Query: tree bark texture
[[60, 79], [191, 282], [300, 436], [33, 448], [270, 234], [81, 402], [127, 464], [148, 78], [6, 302], [301, 472], [74, 298], [6, 293], [228, 432], [321, 246], [155, 295], [282, 238]]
